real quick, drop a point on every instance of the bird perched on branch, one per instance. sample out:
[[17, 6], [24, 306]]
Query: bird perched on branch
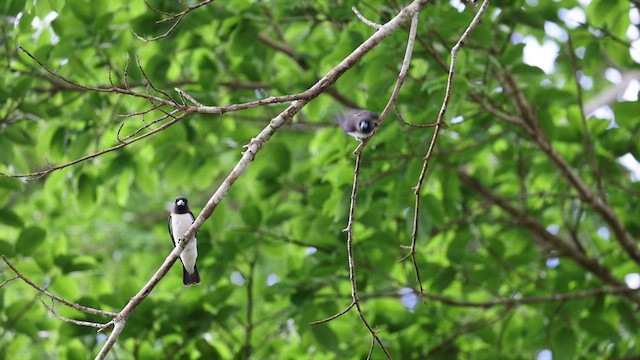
[[180, 221], [358, 123]]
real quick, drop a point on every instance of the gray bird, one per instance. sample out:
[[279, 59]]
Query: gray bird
[[358, 123], [180, 221]]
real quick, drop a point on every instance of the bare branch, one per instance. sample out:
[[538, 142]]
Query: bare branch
[[65, 319], [404, 69], [146, 125], [351, 260], [84, 309], [150, 83], [39, 174], [8, 280], [438, 126], [117, 90]]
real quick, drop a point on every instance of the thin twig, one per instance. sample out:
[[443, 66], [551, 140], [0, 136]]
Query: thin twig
[[334, 316], [438, 126], [246, 347], [146, 125], [170, 17], [65, 319], [403, 122], [351, 260], [8, 280], [150, 83], [187, 96], [373, 344], [364, 19], [588, 143]]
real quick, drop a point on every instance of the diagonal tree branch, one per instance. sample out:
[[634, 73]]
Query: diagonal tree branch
[[561, 245], [531, 126], [252, 148]]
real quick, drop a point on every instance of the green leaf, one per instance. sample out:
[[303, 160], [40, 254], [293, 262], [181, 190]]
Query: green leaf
[[80, 145], [6, 249], [74, 262], [30, 238], [599, 327], [432, 210], [20, 87], [9, 217], [252, 216], [86, 195], [444, 279], [626, 113], [13, 7], [76, 350], [58, 142], [17, 135], [28, 324], [325, 336], [11, 183], [56, 5], [457, 249], [65, 287], [565, 344]]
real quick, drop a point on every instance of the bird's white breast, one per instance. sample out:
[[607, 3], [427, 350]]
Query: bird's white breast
[[180, 223]]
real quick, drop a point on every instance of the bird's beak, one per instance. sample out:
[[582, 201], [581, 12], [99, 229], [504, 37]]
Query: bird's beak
[[180, 202]]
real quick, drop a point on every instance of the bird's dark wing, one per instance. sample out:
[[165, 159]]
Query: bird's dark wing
[[171, 231], [344, 119]]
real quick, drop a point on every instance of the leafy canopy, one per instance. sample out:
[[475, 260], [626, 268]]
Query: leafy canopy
[[272, 256]]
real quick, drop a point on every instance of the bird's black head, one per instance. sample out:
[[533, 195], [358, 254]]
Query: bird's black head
[[181, 205], [358, 123], [365, 125]]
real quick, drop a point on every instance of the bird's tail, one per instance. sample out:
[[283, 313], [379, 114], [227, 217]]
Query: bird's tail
[[190, 279]]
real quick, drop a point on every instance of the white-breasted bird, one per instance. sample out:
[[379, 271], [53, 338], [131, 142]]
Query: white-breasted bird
[[180, 221]]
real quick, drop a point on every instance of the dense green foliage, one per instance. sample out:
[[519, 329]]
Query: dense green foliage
[[95, 232]]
